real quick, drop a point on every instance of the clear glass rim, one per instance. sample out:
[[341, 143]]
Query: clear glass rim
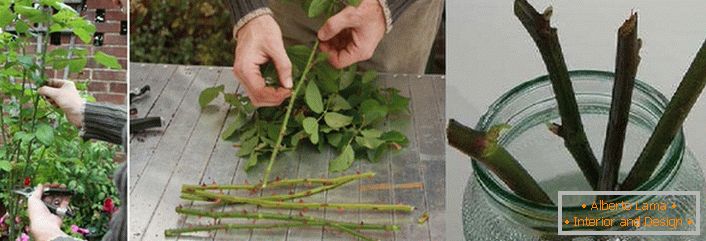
[[504, 197]]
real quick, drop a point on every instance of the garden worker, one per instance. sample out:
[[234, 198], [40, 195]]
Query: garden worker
[[389, 35], [97, 121]]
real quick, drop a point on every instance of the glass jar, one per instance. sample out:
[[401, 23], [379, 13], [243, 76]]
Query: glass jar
[[493, 212]]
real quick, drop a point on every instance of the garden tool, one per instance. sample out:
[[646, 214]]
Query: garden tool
[[140, 124], [52, 199]]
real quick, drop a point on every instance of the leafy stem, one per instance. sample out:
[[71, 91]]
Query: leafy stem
[[283, 127]]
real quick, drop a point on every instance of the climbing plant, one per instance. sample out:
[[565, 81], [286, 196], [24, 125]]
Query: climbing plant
[[38, 143]]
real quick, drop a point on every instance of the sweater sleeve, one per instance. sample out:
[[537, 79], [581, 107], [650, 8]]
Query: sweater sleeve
[[243, 11], [104, 122], [392, 9]]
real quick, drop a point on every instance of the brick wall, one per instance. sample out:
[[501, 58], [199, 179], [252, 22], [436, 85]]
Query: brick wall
[[105, 84]]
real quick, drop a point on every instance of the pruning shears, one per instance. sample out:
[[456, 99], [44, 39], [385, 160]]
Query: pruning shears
[[54, 204]]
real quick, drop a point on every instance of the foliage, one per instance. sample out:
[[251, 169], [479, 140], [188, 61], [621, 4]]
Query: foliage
[[181, 32], [38, 143], [341, 109]]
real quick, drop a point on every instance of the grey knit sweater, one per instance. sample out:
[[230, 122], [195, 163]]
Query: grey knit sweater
[[244, 10], [108, 123]]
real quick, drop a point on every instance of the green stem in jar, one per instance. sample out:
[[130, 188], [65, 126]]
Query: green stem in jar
[[626, 62], [670, 123], [483, 147], [547, 40]]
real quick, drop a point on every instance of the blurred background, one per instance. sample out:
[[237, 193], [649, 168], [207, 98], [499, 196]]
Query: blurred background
[[200, 33]]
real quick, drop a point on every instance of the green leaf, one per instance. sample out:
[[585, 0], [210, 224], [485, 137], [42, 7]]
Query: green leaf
[[209, 94], [369, 76], [6, 16], [343, 161], [336, 120], [76, 65], [311, 127], [82, 34], [338, 103], [395, 137], [45, 134], [247, 134], [369, 142], [26, 61], [353, 2], [318, 7], [28, 12], [247, 147], [372, 111], [371, 133], [107, 60], [313, 98], [398, 103], [347, 78], [21, 26], [5, 166], [334, 139], [252, 161], [238, 122]]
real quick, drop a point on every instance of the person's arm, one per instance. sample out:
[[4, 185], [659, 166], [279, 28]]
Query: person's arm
[[243, 11], [103, 122], [392, 9]]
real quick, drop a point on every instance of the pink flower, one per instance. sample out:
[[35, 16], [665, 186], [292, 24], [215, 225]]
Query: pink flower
[[79, 230], [2, 219], [23, 237], [108, 206]]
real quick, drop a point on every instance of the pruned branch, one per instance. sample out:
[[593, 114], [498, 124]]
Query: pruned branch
[[670, 123], [626, 62], [547, 40], [484, 148]]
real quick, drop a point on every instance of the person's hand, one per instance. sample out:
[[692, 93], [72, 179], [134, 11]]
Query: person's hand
[[63, 94], [353, 34], [259, 41], [43, 225]]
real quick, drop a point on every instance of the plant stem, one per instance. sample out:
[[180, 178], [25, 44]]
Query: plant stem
[[281, 183], [235, 226], [280, 217], [670, 123], [547, 40], [238, 226], [626, 62], [2, 121], [227, 199], [283, 127], [337, 182], [484, 148]]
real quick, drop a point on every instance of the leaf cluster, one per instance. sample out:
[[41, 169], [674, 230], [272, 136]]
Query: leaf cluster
[[342, 109]]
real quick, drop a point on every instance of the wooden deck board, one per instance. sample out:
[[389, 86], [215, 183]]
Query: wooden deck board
[[189, 150]]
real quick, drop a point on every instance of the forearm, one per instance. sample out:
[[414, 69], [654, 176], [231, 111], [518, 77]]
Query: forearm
[[243, 11], [393, 9], [103, 122]]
